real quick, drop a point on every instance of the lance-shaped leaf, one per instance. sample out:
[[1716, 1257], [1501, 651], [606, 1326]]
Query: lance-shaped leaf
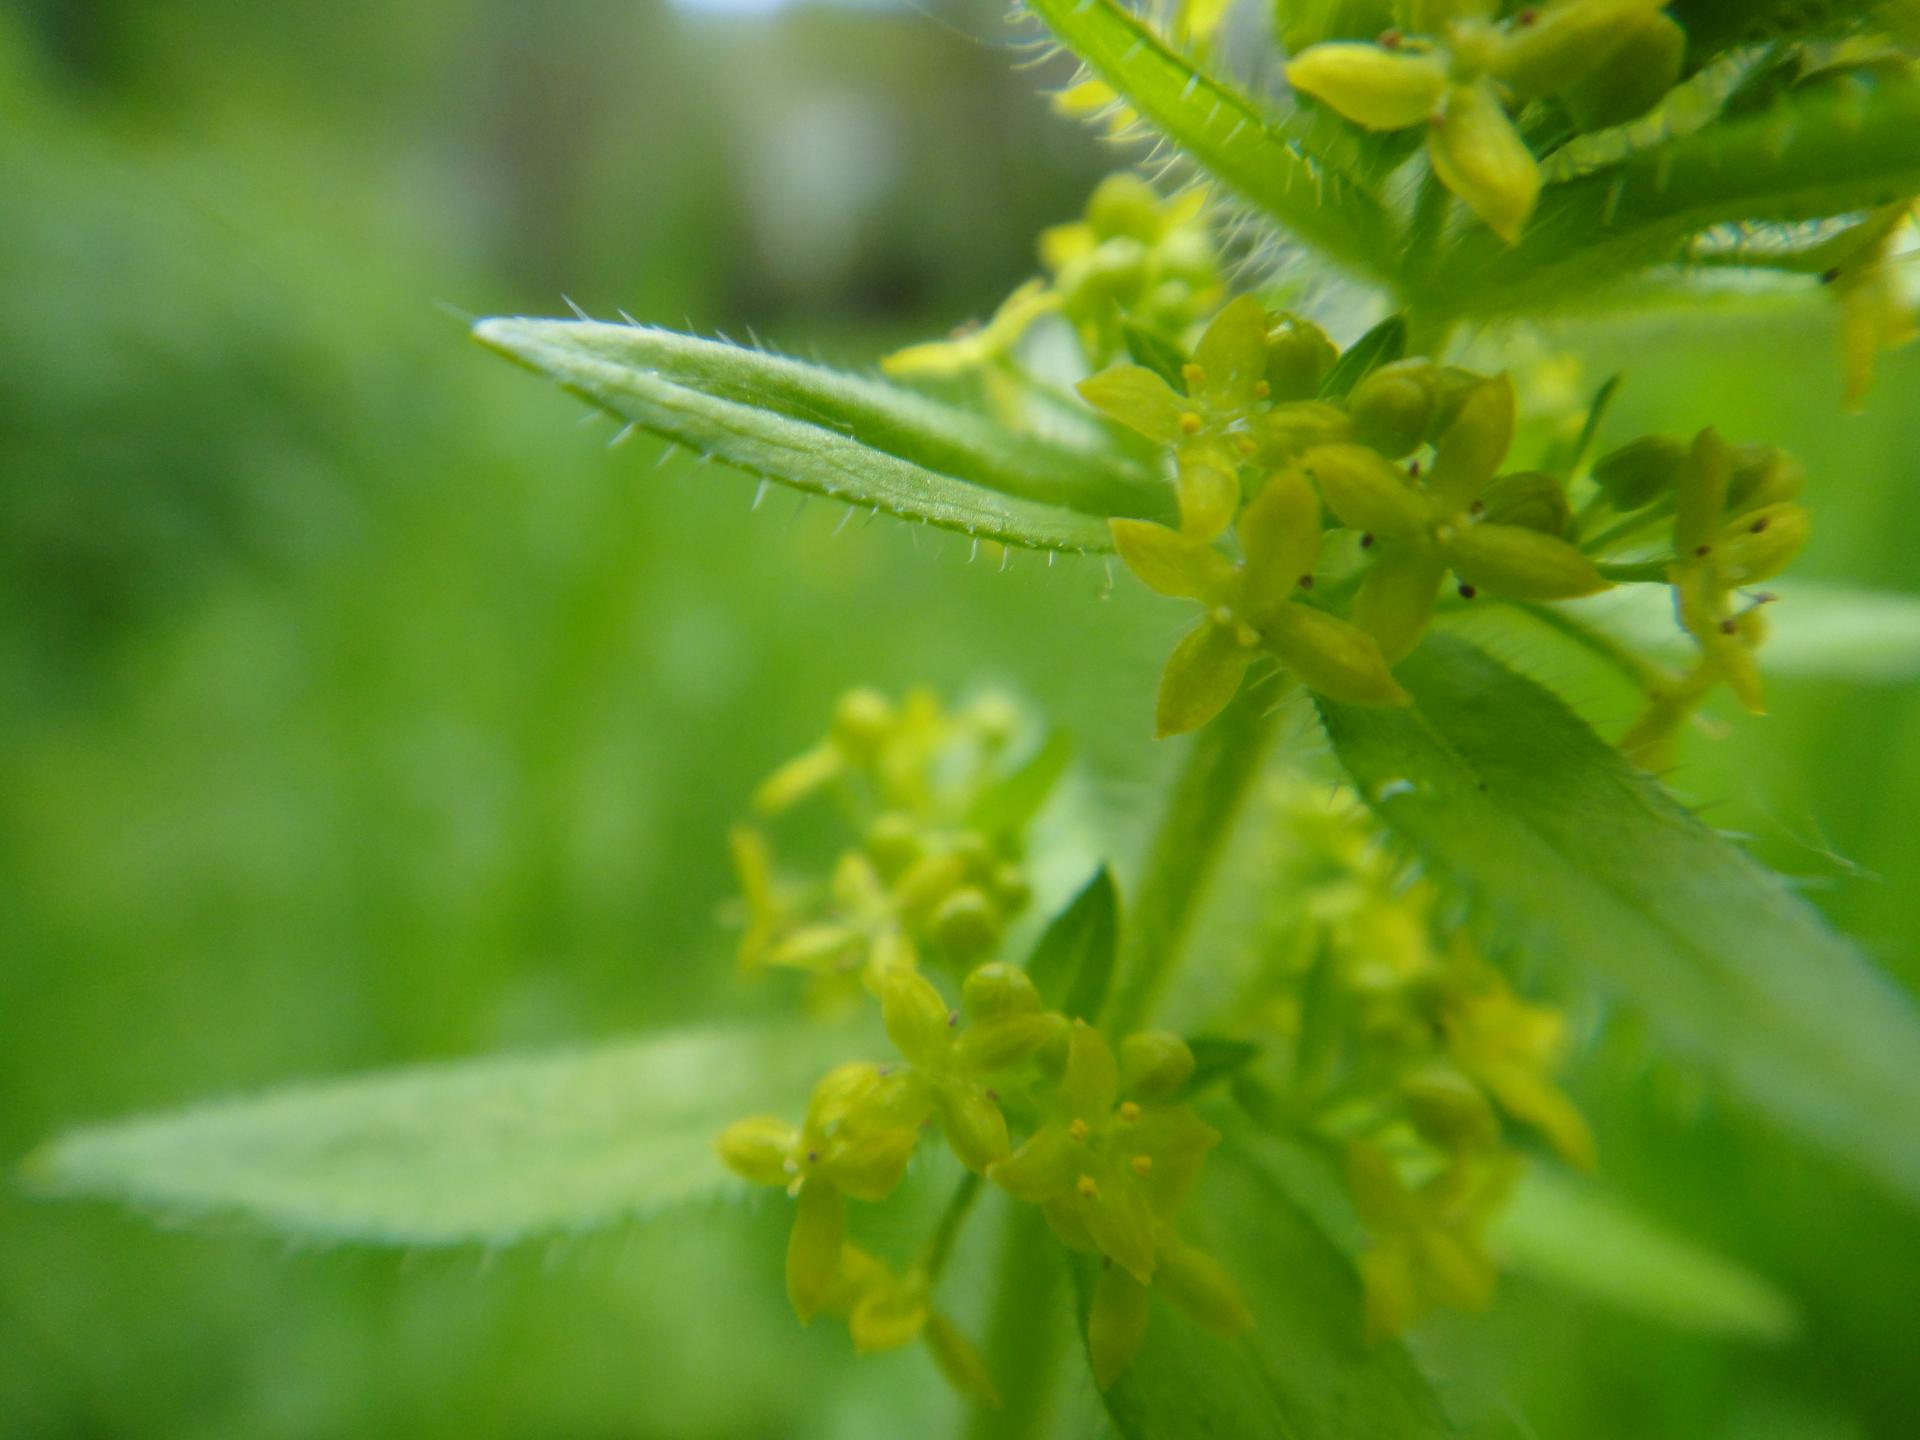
[[1498, 784], [1832, 149], [860, 441], [1264, 160], [1303, 1371], [482, 1152]]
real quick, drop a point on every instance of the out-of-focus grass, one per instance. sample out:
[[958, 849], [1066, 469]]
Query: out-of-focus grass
[[357, 706]]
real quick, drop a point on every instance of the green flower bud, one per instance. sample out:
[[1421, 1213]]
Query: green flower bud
[[1393, 407], [1201, 1286], [1449, 1109], [1640, 471], [1124, 204], [868, 1162], [840, 1092], [1761, 543], [862, 721], [1006, 1040], [973, 1125], [1531, 499], [1299, 354], [1298, 425], [1011, 888], [998, 989], [1365, 491], [1378, 88], [1643, 67], [928, 881], [1567, 41], [1154, 1065], [1762, 476], [759, 1149], [1521, 564], [1116, 1324], [813, 1247], [917, 1019], [1480, 157], [966, 923], [893, 843]]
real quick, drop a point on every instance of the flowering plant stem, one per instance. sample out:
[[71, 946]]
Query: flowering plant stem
[[1202, 804]]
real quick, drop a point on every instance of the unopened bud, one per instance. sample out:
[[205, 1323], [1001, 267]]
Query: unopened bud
[[893, 843], [1634, 78], [998, 989], [758, 1149], [1299, 354], [1449, 1109], [1393, 407], [966, 923], [1531, 499], [861, 723], [1640, 471], [1371, 86], [1762, 475], [1155, 1065]]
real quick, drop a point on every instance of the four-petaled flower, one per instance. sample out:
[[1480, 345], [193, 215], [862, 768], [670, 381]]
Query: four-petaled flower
[[1252, 606]]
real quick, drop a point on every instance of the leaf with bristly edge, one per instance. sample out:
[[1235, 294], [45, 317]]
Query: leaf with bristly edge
[[1498, 785], [485, 1152], [860, 441]]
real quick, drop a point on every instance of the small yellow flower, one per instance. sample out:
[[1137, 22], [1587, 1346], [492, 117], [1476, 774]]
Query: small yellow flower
[[1250, 607]]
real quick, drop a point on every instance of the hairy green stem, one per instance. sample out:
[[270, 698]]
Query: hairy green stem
[[1213, 780], [1024, 1333]]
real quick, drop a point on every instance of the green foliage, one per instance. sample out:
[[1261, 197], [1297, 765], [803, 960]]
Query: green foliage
[[1493, 779], [1072, 964], [483, 1152], [853, 440], [1572, 1233], [1303, 1370]]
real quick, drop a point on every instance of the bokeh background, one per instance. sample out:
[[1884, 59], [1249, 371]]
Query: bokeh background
[[358, 705]]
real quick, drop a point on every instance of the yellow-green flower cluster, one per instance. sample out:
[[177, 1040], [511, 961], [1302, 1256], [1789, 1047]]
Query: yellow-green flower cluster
[[1408, 462], [1109, 1155], [936, 867], [1134, 259], [1735, 523], [1458, 67], [1407, 1049]]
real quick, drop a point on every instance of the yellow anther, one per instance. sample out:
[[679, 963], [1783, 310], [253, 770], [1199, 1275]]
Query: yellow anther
[[1189, 423], [1078, 1130], [1246, 444], [1086, 1187], [1129, 1113], [1262, 389], [1221, 616], [1142, 1165], [1193, 375]]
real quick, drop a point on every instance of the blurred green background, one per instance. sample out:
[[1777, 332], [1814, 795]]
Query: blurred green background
[[359, 706]]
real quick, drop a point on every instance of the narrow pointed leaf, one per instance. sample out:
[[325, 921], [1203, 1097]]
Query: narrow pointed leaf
[[856, 440], [1574, 1234], [1304, 1370], [1072, 964], [481, 1152], [1498, 784], [1260, 157]]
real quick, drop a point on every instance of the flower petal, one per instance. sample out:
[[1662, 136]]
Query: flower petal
[[1202, 675], [1171, 563], [1332, 656]]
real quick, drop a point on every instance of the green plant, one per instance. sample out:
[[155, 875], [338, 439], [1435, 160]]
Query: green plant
[[1327, 1152]]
